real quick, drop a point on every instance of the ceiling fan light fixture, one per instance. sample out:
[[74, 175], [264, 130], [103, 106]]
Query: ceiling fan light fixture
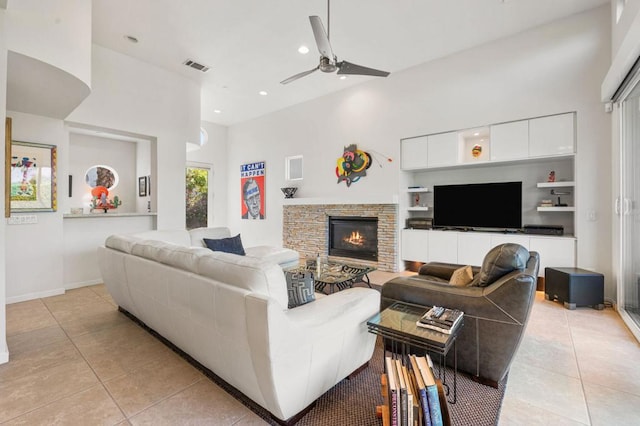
[[328, 60]]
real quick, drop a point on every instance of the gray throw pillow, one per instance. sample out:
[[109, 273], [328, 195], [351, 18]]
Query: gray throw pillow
[[299, 287], [227, 245], [499, 262]]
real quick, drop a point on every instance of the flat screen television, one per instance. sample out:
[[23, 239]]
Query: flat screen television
[[478, 205]]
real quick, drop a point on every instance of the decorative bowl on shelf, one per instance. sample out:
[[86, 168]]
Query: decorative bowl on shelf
[[289, 191]]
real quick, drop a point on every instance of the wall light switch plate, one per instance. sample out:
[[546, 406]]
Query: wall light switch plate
[[23, 219]]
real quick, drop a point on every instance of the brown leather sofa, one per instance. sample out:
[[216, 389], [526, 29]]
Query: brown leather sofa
[[496, 306]]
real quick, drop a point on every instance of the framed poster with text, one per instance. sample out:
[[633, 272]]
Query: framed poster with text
[[252, 190]]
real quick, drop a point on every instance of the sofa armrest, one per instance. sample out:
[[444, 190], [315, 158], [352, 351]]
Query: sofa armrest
[[443, 270], [347, 306], [500, 301]]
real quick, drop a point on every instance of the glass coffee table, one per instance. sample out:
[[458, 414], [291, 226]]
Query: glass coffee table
[[397, 325], [337, 275]]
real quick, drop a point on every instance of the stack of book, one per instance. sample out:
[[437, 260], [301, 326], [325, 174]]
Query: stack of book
[[441, 319], [546, 203], [413, 393]]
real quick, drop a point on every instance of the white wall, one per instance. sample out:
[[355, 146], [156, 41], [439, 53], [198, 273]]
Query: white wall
[[214, 155], [57, 32], [86, 151], [143, 168], [128, 96], [622, 27], [34, 261], [552, 69], [132, 96], [4, 350]]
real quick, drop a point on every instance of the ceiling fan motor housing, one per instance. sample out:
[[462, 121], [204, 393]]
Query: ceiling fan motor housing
[[327, 65]]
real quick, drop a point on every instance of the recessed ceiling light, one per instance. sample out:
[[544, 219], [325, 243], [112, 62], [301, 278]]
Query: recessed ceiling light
[[217, 111], [476, 134], [303, 49], [343, 77], [263, 93], [131, 38]]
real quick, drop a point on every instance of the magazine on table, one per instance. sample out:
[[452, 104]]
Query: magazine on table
[[441, 319]]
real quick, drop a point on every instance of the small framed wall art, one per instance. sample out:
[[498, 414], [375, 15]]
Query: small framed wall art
[[142, 186], [32, 185]]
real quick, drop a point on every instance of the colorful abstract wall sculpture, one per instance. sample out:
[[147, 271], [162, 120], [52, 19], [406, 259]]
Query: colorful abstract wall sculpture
[[352, 165]]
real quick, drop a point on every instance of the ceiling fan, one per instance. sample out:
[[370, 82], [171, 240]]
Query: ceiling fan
[[328, 60]]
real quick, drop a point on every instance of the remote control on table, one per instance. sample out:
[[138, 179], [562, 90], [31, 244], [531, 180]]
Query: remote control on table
[[437, 311]]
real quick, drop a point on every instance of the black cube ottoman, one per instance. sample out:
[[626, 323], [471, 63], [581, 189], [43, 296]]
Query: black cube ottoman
[[574, 287]]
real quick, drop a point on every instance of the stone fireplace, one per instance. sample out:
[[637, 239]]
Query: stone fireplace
[[306, 229]]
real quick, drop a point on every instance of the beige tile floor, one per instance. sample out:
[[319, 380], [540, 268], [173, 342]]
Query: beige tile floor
[[579, 367], [75, 360]]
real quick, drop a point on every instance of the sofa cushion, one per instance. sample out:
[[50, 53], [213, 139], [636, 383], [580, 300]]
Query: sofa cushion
[[175, 236], [461, 276], [228, 245], [255, 275], [198, 234], [185, 258], [284, 257], [150, 249], [122, 243], [300, 287], [500, 261]]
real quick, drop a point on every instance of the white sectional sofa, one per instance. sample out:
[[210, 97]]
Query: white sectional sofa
[[230, 314]]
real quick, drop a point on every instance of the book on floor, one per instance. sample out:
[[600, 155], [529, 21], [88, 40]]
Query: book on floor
[[392, 377], [435, 411], [421, 392], [402, 411]]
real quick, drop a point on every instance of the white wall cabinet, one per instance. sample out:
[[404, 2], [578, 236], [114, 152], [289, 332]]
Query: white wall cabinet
[[443, 149], [415, 245], [469, 248], [510, 141], [552, 136], [554, 252], [414, 153], [443, 246], [472, 247]]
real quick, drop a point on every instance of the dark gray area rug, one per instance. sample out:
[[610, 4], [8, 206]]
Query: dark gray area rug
[[353, 401]]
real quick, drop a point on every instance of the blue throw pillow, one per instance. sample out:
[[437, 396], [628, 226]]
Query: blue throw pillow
[[228, 245], [299, 287]]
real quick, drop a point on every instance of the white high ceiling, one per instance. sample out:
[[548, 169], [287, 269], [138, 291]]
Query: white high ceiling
[[251, 45]]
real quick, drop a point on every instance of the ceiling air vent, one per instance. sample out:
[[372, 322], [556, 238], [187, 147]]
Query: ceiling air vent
[[193, 64]]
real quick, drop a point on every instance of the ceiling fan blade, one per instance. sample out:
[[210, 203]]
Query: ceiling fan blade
[[299, 75], [322, 40], [345, 67]]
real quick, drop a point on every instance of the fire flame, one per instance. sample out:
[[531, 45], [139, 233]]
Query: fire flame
[[355, 239]]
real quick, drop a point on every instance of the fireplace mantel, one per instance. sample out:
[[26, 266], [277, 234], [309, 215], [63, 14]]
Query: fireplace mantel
[[369, 199]]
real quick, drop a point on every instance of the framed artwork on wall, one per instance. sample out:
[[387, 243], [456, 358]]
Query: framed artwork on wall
[[32, 182], [252, 187], [7, 167], [142, 186]]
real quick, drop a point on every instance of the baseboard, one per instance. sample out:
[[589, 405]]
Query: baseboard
[[33, 296], [4, 354], [71, 286]]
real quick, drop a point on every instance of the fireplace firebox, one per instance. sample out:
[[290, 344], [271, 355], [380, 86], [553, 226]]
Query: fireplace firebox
[[353, 236]]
